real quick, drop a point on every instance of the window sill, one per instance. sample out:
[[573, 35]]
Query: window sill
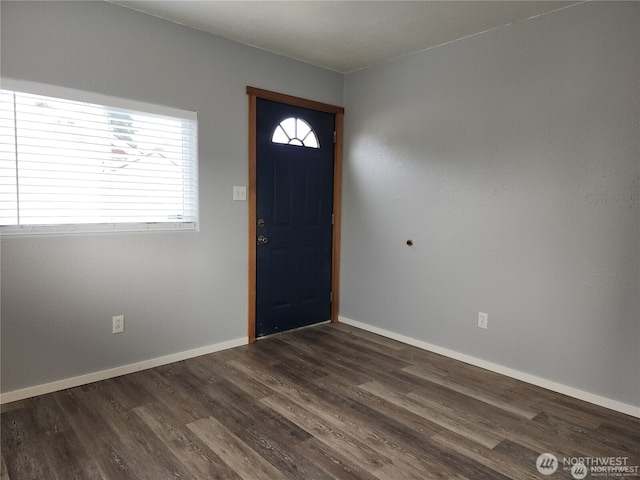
[[94, 229]]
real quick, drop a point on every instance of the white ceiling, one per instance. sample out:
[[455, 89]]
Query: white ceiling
[[344, 35]]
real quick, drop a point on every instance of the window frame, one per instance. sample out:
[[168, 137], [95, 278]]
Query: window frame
[[293, 141], [71, 94]]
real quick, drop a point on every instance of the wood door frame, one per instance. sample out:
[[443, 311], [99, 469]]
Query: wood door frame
[[254, 94]]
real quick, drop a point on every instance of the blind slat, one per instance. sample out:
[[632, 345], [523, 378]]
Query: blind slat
[[64, 162]]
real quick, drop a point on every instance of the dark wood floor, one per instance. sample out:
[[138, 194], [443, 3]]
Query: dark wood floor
[[329, 402]]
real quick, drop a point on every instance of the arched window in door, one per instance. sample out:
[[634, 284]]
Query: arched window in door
[[295, 131]]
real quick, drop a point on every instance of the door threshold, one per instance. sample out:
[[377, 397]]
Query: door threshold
[[271, 335]]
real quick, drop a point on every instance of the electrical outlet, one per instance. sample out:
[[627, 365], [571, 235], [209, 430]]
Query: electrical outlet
[[118, 324], [483, 320]]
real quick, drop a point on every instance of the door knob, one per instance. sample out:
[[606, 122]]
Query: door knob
[[262, 239]]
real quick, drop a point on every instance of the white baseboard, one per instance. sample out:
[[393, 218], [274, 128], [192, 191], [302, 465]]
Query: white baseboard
[[494, 367], [116, 372]]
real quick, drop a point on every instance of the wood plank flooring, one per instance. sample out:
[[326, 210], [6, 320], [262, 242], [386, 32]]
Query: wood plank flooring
[[328, 402]]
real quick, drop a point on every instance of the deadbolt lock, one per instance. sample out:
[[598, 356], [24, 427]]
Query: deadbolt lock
[[261, 222]]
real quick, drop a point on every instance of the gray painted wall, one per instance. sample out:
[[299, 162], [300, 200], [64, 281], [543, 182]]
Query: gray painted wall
[[178, 291], [512, 160]]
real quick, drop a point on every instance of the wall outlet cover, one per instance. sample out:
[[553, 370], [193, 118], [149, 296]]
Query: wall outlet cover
[[483, 320], [118, 324]]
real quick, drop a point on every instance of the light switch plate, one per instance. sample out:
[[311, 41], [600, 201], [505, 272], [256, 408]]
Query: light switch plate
[[239, 192]]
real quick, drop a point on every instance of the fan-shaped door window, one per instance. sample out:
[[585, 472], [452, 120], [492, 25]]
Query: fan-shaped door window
[[295, 131]]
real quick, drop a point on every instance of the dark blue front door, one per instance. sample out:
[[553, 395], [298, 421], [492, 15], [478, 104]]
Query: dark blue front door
[[294, 195]]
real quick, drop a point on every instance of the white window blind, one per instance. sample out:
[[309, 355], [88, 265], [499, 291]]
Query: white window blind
[[69, 165]]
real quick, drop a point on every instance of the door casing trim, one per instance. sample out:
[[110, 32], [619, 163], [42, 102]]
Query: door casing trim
[[253, 94]]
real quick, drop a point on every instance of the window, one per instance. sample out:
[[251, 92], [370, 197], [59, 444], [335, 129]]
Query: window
[[71, 164], [295, 131]]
